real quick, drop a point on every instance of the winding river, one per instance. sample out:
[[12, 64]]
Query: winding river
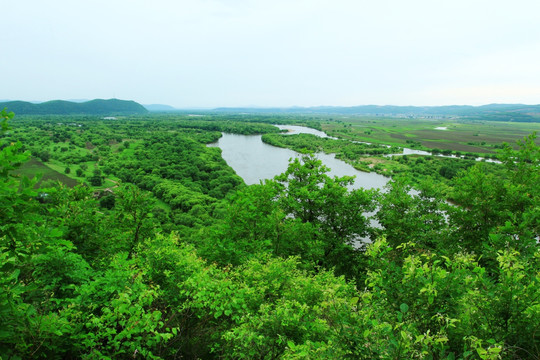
[[292, 129], [256, 161]]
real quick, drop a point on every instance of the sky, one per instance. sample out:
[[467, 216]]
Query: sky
[[278, 53]]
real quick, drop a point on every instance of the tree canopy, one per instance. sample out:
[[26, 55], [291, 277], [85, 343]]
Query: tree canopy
[[173, 256]]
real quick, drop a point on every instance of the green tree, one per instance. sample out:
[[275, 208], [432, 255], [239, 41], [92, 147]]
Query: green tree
[[253, 225], [447, 306], [44, 155], [409, 215], [37, 266], [96, 179], [134, 210], [311, 196], [499, 211], [107, 201]]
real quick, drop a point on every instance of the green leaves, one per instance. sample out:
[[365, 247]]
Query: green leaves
[[408, 215], [116, 316], [444, 299], [404, 308], [309, 195], [258, 277], [5, 116]]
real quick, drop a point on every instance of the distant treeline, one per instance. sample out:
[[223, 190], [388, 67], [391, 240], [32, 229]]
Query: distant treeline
[[493, 112]]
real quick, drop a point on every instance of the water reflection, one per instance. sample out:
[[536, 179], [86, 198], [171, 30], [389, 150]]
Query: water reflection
[[293, 129], [254, 161]]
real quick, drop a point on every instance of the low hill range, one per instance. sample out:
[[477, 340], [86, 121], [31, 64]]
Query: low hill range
[[62, 107], [160, 108], [111, 107]]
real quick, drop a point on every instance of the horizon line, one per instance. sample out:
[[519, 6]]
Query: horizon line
[[262, 106]]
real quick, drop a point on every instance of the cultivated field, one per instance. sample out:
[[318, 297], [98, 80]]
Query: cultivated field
[[445, 134], [34, 167]]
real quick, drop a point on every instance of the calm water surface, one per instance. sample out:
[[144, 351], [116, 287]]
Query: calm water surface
[[293, 129], [255, 161]]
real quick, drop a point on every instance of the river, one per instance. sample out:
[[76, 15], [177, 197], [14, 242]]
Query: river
[[255, 161], [293, 129]]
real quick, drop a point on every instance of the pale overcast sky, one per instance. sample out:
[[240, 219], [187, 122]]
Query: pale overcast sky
[[210, 53]]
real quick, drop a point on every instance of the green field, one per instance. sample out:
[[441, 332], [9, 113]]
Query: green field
[[35, 167], [460, 135]]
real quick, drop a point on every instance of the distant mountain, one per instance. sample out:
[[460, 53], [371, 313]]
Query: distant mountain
[[160, 108], [495, 112], [61, 107]]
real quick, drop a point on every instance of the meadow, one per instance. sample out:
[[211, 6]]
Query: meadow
[[35, 167], [467, 136]]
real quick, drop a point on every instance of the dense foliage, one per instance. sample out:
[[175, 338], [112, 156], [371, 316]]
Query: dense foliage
[[167, 254], [346, 149]]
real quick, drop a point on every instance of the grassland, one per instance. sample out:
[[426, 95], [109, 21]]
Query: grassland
[[483, 137], [35, 167]]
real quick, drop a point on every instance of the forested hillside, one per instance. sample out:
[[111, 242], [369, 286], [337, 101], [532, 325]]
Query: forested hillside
[[158, 250], [61, 107]]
